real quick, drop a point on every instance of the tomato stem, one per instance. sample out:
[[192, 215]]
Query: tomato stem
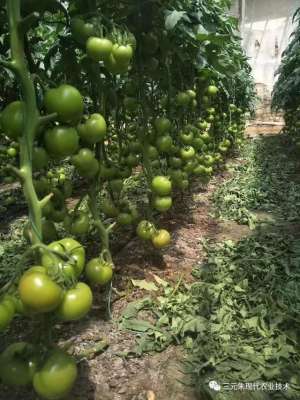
[[31, 116]]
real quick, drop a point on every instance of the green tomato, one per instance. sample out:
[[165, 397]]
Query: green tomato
[[114, 67], [175, 162], [94, 129], [109, 209], [132, 160], [183, 99], [66, 101], [200, 170], [164, 143], [162, 125], [191, 93], [11, 152], [86, 163], [98, 49], [161, 239], [76, 303], [39, 292], [77, 223], [57, 376], [122, 54], [61, 141], [151, 152], [6, 315], [187, 153], [212, 90], [162, 203], [161, 185], [198, 143], [68, 247], [145, 230], [81, 30], [40, 158], [98, 272], [205, 137], [116, 185], [187, 138], [12, 119], [124, 218], [15, 370]]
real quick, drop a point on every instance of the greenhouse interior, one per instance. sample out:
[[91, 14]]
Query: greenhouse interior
[[150, 200]]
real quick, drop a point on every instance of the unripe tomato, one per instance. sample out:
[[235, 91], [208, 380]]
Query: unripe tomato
[[183, 99], [116, 185], [183, 184], [98, 49], [14, 368], [124, 218], [77, 223], [161, 185], [164, 143], [86, 163], [132, 160], [145, 230], [11, 152], [114, 67], [212, 90], [175, 162], [61, 141], [202, 125], [94, 129], [108, 172], [191, 93], [187, 153], [187, 138], [56, 377], [122, 54], [162, 125], [12, 119], [162, 203], [69, 247], [205, 137], [81, 30], [151, 152], [66, 101], [161, 239], [198, 143], [6, 315], [98, 271], [109, 209], [76, 303], [39, 292], [40, 158], [200, 170]]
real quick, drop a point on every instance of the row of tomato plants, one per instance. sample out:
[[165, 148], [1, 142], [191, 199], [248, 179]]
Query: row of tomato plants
[[120, 89], [286, 93]]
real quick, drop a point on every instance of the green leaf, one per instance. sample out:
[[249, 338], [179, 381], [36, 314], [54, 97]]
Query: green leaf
[[137, 325], [172, 19], [145, 285]]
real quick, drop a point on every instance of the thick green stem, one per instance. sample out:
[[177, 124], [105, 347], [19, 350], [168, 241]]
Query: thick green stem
[[31, 116]]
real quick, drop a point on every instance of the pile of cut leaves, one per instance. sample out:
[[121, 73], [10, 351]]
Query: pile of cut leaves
[[264, 181], [239, 320]]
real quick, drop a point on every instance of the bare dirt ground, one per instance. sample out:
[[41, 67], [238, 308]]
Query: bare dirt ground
[[111, 375]]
